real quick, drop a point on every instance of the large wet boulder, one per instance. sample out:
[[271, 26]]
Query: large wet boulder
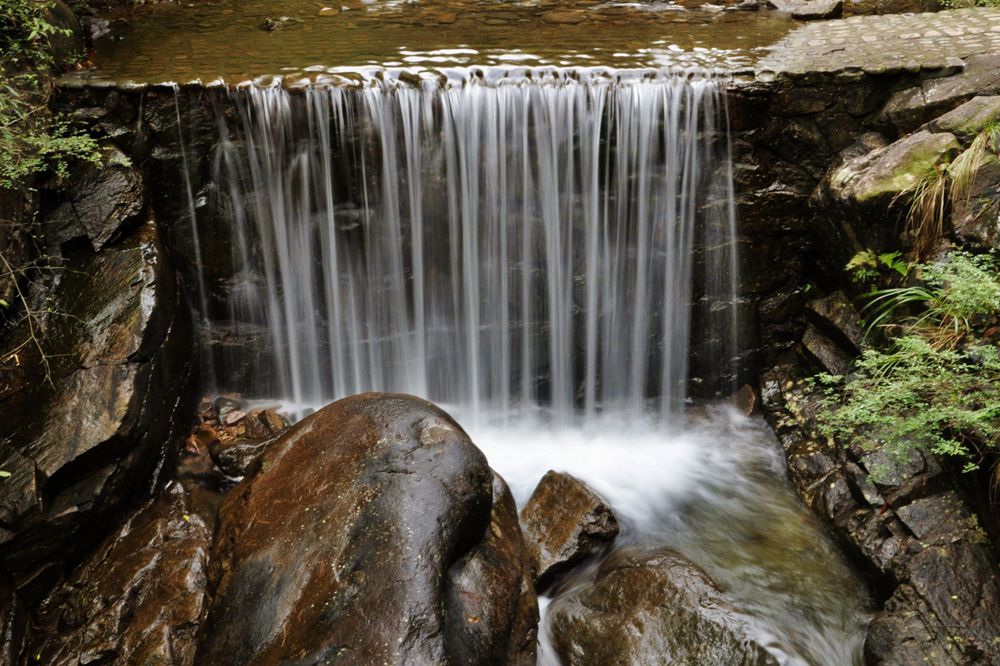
[[651, 606], [139, 598], [564, 523], [95, 388], [371, 532]]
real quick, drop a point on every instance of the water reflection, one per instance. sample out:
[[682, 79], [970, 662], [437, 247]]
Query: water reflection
[[236, 40]]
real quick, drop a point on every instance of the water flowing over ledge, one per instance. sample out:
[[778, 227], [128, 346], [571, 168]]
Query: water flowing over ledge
[[497, 245]]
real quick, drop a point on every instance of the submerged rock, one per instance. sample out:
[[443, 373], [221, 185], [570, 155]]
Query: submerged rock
[[83, 428], [809, 9], [374, 531], [564, 522], [651, 606], [139, 598]]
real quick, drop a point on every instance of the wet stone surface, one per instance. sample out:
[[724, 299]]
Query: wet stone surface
[[885, 44]]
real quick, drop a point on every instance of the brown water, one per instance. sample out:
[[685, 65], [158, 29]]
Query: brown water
[[227, 39]]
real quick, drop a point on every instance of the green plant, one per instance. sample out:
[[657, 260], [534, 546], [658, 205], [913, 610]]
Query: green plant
[[963, 4], [936, 385], [31, 140], [866, 266], [927, 215]]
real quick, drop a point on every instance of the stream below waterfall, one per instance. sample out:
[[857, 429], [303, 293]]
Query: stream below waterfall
[[714, 491]]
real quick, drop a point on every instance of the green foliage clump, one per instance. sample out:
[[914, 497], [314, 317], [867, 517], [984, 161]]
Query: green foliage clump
[[31, 140], [965, 4], [936, 383]]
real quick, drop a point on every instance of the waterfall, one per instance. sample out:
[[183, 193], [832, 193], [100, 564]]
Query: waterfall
[[491, 240]]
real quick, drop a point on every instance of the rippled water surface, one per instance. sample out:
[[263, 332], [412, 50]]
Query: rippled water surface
[[229, 39]]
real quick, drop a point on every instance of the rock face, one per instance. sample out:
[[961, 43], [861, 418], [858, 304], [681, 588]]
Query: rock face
[[651, 607], [138, 599], [103, 201], [975, 216], [564, 522], [884, 174], [910, 108], [13, 622], [970, 118], [84, 428], [373, 531], [914, 534]]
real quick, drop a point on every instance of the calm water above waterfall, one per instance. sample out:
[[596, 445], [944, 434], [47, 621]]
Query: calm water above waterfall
[[533, 249]]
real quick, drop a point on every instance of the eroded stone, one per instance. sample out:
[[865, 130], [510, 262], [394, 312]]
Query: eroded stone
[[651, 606], [564, 522]]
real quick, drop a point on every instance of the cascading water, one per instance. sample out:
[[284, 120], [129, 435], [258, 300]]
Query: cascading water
[[534, 249], [491, 244]]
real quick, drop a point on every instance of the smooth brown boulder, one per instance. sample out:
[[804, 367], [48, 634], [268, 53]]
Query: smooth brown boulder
[[139, 598], [371, 532], [564, 522], [651, 606]]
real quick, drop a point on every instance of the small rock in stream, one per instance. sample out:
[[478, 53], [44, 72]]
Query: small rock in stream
[[564, 522]]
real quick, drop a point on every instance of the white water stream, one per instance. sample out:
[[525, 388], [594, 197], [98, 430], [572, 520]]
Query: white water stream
[[531, 248]]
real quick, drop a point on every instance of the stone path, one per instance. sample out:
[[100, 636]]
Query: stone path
[[878, 44]]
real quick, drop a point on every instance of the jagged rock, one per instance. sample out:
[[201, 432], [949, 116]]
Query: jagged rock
[[67, 42], [824, 351], [809, 9], [363, 533], [103, 201], [746, 400], [970, 118], [651, 606], [917, 537], [839, 317], [13, 622], [83, 428], [272, 23], [564, 522], [910, 108], [975, 217], [876, 179], [237, 458], [139, 598]]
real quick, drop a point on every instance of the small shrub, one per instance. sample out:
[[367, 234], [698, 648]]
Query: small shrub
[[31, 140], [936, 384]]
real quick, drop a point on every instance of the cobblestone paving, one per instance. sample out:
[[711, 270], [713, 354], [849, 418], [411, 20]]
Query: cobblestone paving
[[877, 44]]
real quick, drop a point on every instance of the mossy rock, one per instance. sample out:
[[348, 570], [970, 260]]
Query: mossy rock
[[971, 118], [882, 175]]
